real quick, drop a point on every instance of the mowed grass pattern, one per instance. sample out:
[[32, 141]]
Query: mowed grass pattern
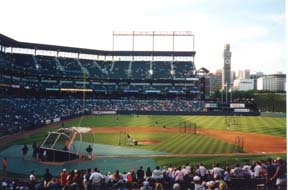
[[252, 124], [176, 143]]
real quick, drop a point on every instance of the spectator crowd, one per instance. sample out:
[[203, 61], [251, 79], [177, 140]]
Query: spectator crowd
[[272, 172], [14, 116]]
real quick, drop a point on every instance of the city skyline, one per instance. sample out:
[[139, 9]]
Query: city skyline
[[254, 29]]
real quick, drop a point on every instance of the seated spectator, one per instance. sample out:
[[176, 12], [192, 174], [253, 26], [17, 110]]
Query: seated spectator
[[197, 183], [176, 186], [222, 185], [146, 186], [210, 185]]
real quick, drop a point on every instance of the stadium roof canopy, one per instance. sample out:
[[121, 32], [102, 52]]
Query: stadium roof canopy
[[9, 42]]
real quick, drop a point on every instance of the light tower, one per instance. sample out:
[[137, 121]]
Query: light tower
[[226, 71]]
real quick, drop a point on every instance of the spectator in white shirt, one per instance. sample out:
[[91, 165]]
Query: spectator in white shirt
[[157, 173], [217, 172], [257, 170]]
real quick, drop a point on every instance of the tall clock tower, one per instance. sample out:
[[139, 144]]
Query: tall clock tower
[[226, 70]]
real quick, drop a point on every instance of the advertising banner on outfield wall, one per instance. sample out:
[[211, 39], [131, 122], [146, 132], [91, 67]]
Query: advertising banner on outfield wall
[[48, 121], [56, 120], [237, 105], [103, 112], [211, 105], [242, 110]]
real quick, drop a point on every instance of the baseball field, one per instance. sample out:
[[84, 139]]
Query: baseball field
[[176, 139]]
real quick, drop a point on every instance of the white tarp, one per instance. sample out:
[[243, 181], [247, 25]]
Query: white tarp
[[82, 129]]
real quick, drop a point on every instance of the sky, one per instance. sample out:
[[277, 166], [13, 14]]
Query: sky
[[255, 29]]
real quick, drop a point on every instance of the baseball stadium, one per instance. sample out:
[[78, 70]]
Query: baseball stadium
[[132, 117]]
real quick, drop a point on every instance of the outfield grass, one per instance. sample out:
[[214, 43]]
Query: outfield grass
[[253, 124], [174, 143], [171, 143]]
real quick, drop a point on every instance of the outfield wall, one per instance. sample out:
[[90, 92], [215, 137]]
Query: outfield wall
[[188, 113]]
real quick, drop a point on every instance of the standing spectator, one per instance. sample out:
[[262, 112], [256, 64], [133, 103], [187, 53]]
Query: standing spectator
[[140, 174], [116, 176], [187, 169], [253, 165], [47, 177], [96, 179], [78, 179], [32, 179], [271, 169], [86, 177], [217, 172], [279, 174], [238, 171], [133, 174], [25, 151], [257, 170], [202, 171], [4, 166], [179, 175], [247, 170], [157, 173], [148, 172], [63, 177]]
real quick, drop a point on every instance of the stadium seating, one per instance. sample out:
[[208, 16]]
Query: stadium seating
[[24, 62], [120, 70], [140, 70], [94, 70], [48, 66], [161, 70], [183, 69], [6, 60], [71, 67], [14, 115]]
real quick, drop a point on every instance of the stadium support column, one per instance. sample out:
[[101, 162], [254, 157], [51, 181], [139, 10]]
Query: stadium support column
[[113, 46], [173, 43], [153, 35], [133, 35], [113, 41]]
